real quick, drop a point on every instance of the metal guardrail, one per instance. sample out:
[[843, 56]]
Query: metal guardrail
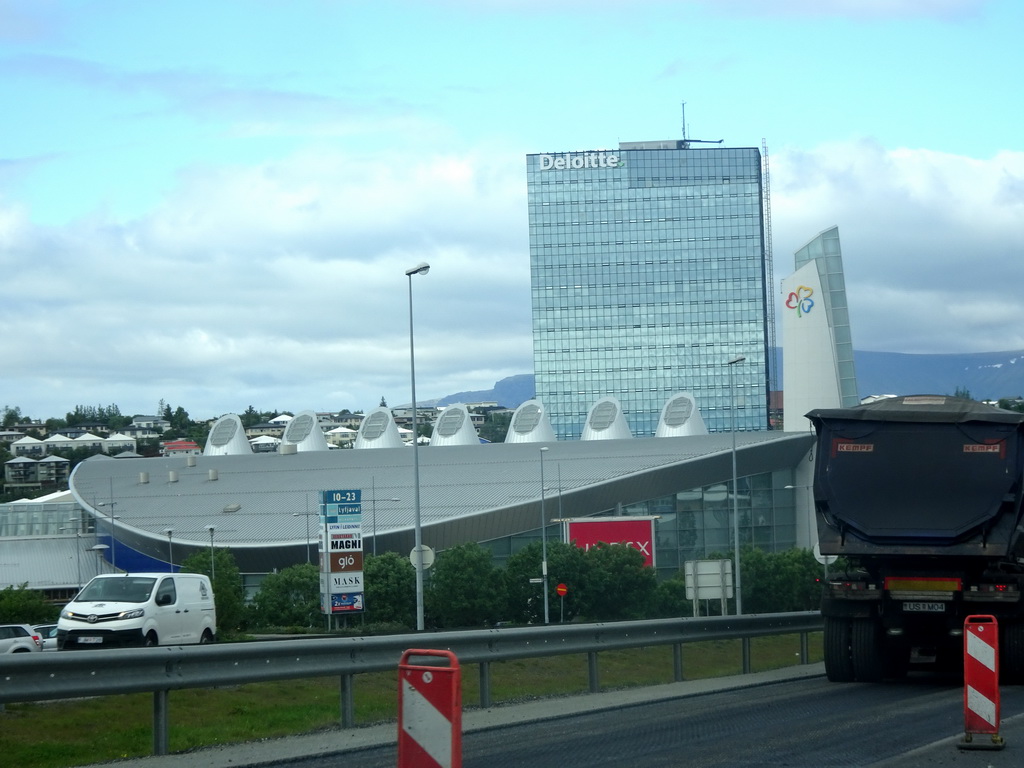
[[39, 677]]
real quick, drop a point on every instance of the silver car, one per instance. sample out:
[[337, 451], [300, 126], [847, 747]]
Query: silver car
[[47, 636], [19, 638]]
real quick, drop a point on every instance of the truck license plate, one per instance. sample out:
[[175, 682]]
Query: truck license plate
[[90, 640], [924, 607]]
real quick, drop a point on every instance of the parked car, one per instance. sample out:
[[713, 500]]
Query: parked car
[[19, 638], [115, 610], [47, 636]]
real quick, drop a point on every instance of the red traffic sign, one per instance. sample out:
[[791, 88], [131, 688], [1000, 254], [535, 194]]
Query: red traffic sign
[[561, 590]]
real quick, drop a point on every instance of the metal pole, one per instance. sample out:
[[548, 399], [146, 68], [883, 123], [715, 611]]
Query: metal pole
[[373, 486], [420, 269], [735, 489], [170, 549], [213, 571], [113, 539], [543, 538], [78, 546]]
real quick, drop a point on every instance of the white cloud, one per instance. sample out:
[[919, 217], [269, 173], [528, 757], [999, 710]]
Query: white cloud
[[283, 286], [931, 242]]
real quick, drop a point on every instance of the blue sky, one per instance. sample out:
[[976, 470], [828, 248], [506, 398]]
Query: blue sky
[[214, 204]]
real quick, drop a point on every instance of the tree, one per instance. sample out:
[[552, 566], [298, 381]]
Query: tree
[[567, 564], [22, 605], [383, 402], [670, 598], [619, 586], [465, 588], [390, 589], [250, 417], [495, 427], [180, 422], [1012, 403], [780, 581], [289, 598], [228, 592], [12, 416], [53, 425]]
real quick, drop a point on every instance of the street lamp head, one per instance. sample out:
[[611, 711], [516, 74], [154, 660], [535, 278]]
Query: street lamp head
[[735, 360], [420, 269], [168, 531], [544, 449], [211, 529]]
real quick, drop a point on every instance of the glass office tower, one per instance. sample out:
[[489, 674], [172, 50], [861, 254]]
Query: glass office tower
[[648, 276]]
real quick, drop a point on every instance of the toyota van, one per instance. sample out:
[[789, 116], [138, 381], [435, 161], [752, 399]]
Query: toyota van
[[139, 609]]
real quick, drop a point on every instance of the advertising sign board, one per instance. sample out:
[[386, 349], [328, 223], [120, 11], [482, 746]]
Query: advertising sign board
[[341, 552], [635, 532]]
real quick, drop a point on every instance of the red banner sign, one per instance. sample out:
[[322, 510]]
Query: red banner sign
[[635, 532]]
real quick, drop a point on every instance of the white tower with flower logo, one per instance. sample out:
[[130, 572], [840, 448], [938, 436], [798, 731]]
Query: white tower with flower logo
[[817, 347]]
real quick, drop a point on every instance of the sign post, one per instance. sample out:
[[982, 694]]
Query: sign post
[[707, 580], [341, 553], [561, 590]]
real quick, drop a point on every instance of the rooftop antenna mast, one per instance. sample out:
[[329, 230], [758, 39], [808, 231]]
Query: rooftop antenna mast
[[687, 141]]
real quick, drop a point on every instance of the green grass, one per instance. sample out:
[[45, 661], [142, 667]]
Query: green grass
[[68, 733]]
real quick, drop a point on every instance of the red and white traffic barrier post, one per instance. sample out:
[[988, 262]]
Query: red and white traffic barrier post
[[981, 683], [429, 712]]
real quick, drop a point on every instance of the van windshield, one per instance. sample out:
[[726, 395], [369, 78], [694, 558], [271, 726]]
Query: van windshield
[[129, 589]]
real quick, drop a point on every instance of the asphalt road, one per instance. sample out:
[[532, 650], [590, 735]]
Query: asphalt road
[[786, 718]]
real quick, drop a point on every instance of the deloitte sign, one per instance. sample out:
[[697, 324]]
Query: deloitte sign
[[579, 161]]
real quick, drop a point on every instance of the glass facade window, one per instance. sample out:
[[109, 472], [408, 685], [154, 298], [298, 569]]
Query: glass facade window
[[697, 523], [647, 276], [43, 519]]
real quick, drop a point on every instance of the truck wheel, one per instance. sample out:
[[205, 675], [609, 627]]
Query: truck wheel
[[866, 650], [1011, 653], [838, 664]]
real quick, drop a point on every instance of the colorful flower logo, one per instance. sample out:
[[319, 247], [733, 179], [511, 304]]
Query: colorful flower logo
[[801, 300]]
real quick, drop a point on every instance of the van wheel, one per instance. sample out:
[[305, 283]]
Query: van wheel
[[151, 640], [206, 638]]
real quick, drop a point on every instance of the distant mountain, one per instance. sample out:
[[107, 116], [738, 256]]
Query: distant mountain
[[985, 375], [511, 393]]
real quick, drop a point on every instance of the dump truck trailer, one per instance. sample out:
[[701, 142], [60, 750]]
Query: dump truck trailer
[[921, 497]]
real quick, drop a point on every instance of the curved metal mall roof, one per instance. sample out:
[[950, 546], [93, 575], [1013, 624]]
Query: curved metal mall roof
[[262, 505]]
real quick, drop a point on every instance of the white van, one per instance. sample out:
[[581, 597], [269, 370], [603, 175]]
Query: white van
[[131, 609]]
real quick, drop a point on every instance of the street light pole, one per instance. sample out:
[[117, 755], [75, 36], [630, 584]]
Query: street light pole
[[296, 514], [213, 572], [98, 549], [113, 540], [419, 269], [543, 537], [170, 548], [735, 489], [78, 546]]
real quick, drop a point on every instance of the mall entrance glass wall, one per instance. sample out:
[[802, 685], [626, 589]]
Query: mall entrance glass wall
[[696, 523]]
